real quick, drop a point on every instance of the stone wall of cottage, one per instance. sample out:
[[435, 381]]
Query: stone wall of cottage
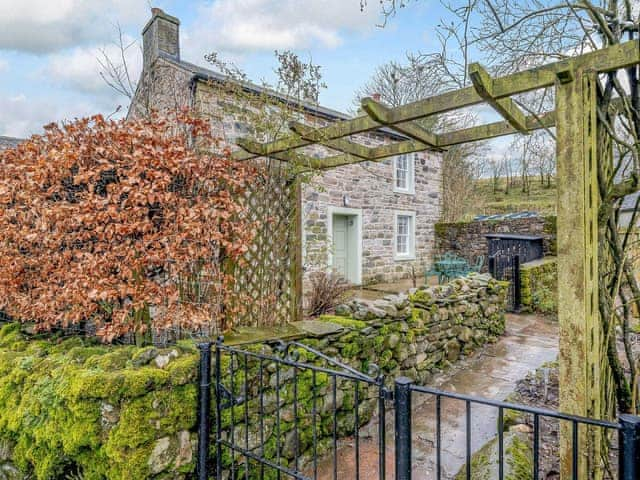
[[369, 188]]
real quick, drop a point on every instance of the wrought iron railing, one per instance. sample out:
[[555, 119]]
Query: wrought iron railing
[[627, 426], [248, 438]]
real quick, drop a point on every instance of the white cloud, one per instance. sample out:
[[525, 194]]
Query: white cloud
[[22, 116], [79, 69], [4, 65], [42, 26], [239, 26]]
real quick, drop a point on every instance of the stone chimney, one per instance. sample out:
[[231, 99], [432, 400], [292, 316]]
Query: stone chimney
[[160, 34]]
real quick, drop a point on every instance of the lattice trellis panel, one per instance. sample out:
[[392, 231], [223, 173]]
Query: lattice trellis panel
[[266, 282]]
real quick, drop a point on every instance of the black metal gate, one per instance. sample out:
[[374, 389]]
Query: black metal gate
[[271, 407], [506, 266], [273, 403]]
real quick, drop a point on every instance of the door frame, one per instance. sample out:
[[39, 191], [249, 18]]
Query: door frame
[[356, 212]]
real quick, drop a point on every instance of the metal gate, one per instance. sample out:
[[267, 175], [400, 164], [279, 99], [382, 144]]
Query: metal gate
[[272, 404], [271, 407], [505, 266]]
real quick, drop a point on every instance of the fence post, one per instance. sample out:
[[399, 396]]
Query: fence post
[[204, 410], [629, 450], [517, 293], [402, 396]]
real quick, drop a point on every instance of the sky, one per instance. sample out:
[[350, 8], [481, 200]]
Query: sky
[[49, 50]]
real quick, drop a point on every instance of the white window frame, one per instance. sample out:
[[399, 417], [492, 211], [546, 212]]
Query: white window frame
[[411, 254], [411, 166]]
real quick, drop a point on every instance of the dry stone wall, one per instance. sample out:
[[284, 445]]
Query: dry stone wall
[[468, 240], [124, 412], [539, 286]]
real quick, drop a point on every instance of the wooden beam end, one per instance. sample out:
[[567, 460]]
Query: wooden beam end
[[375, 110], [250, 145]]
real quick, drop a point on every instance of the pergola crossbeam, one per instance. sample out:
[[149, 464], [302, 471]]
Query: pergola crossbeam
[[345, 146], [401, 119], [255, 149], [331, 132], [382, 114], [506, 107]]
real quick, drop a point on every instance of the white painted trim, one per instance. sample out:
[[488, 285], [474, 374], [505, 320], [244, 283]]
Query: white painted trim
[[412, 235], [411, 174], [357, 212]]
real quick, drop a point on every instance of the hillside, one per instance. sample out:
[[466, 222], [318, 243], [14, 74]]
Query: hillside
[[539, 199]]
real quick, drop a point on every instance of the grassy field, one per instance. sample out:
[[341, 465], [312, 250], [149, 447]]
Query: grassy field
[[539, 199]]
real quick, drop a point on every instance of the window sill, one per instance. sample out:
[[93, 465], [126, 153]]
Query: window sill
[[404, 192], [404, 258]]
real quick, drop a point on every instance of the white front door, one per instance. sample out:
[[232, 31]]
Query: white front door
[[344, 247]]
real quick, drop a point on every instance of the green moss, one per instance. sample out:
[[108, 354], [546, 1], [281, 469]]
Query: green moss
[[421, 296], [52, 396], [351, 350], [343, 321], [519, 458], [539, 285]]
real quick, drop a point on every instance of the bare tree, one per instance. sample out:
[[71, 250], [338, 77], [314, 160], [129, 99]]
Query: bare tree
[[421, 77], [115, 70]]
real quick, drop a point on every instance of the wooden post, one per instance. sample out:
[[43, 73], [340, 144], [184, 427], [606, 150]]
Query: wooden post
[[578, 314]]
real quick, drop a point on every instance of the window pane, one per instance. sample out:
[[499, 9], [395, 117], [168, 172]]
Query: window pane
[[403, 230], [403, 225], [402, 170], [402, 245], [401, 179]]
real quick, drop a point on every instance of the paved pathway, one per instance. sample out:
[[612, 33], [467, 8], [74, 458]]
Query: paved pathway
[[529, 342]]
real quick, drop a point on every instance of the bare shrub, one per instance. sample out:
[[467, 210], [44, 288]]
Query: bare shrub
[[328, 290]]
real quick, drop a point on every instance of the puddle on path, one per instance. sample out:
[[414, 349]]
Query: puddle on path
[[528, 342]]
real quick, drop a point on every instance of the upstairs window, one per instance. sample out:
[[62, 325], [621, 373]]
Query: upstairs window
[[403, 178]]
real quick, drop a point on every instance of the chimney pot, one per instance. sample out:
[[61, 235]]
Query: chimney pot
[[376, 96]]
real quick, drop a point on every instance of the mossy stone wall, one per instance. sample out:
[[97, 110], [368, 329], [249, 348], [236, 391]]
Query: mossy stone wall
[[70, 406], [539, 286]]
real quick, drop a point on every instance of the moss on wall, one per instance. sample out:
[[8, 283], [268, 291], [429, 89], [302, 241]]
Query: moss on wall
[[72, 405], [120, 412], [539, 286]]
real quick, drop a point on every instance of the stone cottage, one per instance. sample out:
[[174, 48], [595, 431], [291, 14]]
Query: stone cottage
[[371, 222]]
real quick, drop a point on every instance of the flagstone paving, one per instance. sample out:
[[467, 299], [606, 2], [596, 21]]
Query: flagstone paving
[[529, 342]]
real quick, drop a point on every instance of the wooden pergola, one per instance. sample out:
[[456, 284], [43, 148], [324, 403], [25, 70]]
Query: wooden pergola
[[577, 128]]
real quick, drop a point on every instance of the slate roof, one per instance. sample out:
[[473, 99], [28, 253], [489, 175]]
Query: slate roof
[[205, 74], [9, 142]]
